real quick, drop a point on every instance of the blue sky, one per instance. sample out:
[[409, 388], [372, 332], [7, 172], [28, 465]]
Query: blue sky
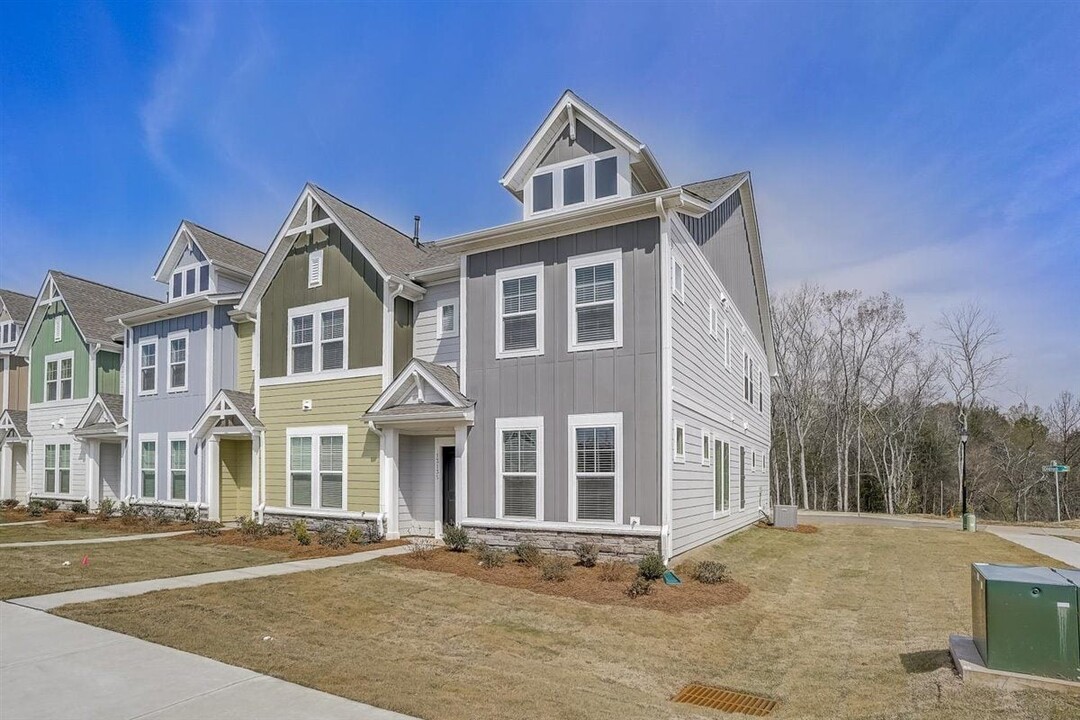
[[932, 150]]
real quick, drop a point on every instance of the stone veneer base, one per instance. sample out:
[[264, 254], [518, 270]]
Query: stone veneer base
[[612, 545]]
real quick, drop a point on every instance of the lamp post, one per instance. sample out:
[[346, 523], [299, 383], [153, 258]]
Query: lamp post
[[967, 518]]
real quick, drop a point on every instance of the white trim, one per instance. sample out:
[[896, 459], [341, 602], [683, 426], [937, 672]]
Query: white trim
[[667, 468], [706, 447], [588, 163], [680, 429], [58, 328], [176, 335], [407, 374], [440, 333], [316, 433], [442, 442], [179, 437], [57, 443], [511, 273], [146, 438], [316, 311], [718, 464], [590, 420], [153, 340], [463, 283], [678, 280], [321, 377], [315, 512], [208, 387], [519, 423], [58, 358], [556, 526], [615, 258]]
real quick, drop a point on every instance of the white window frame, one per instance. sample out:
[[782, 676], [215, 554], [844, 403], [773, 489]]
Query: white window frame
[[680, 430], [440, 333], [678, 281], [139, 366], [316, 433], [316, 310], [519, 423], [604, 257], [56, 468], [573, 422], [622, 182], [177, 335], [148, 438], [725, 448], [182, 271], [178, 437], [58, 328], [512, 273], [58, 358], [748, 385], [316, 280], [727, 343], [706, 447]]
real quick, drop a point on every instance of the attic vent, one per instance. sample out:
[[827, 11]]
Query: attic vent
[[314, 268], [729, 701]]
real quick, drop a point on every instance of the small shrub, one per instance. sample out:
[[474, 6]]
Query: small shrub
[[456, 538], [528, 553], [130, 514], [300, 532], [158, 515], [354, 535], [275, 529], [50, 504], [611, 571], [9, 503], [640, 586], [332, 536], [587, 553], [421, 549], [105, 509], [373, 533], [79, 508], [490, 557], [250, 528], [652, 566], [189, 513], [68, 516], [208, 528], [555, 569], [709, 572], [35, 509]]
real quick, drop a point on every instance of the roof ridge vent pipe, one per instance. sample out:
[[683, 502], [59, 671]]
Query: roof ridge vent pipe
[[416, 231]]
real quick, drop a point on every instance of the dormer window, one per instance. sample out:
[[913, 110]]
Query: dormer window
[[579, 182], [190, 280]]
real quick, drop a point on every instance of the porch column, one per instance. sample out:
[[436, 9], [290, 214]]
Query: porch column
[[7, 472], [461, 469], [125, 471], [256, 451], [390, 503], [213, 482], [93, 472]]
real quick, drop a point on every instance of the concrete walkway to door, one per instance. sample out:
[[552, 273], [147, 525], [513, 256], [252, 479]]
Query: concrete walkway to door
[[57, 668]]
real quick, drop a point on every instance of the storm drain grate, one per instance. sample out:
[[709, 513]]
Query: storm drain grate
[[724, 700]]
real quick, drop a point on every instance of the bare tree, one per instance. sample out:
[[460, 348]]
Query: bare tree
[[1063, 419]]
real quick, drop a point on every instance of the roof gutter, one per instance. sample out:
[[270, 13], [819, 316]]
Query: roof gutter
[[170, 309]]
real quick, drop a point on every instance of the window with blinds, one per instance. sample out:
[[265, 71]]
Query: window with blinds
[[446, 319], [520, 450], [300, 343], [521, 311], [148, 468], [178, 363], [596, 467], [148, 368], [331, 469], [300, 471], [595, 299], [318, 337], [178, 469], [332, 339], [317, 466]]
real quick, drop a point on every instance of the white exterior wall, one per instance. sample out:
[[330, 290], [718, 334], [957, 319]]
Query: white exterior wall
[[39, 422], [418, 494], [425, 345], [707, 396]]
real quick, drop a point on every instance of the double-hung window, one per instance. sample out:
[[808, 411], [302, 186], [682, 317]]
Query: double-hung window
[[178, 350], [58, 377], [147, 468], [58, 468], [520, 468], [148, 367], [520, 311], [178, 469], [317, 467], [318, 337], [595, 301], [446, 319], [721, 476], [595, 467]]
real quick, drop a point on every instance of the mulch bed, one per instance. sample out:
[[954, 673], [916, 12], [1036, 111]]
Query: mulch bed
[[582, 583], [801, 529], [90, 522], [286, 544]]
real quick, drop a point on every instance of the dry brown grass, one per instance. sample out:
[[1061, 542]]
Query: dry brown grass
[[83, 529], [850, 622], [285, 544]]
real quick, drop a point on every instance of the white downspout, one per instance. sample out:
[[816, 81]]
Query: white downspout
[[667, 494]]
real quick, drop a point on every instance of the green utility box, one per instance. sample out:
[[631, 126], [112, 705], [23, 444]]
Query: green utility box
[[1025, 619]]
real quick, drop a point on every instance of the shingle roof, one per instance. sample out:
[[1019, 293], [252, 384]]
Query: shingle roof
[[392, 249], [90, 303], [18, 305], [18, 420], [245, 405], [115, 405], [227, 251], [447, 376], [713, 190]]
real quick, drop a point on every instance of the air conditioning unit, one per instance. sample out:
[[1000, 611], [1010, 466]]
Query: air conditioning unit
[[785, 516]]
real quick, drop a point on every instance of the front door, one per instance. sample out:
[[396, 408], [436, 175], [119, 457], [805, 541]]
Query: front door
[[449, 507], [109, 470]]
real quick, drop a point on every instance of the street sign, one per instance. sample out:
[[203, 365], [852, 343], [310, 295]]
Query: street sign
[[1056, 468]]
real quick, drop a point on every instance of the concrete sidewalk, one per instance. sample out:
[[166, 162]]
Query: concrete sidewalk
[[51, 667], [53, 600], [1058, 548], [95, 540]]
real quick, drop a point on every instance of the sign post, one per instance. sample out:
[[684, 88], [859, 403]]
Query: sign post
[[1057, 468]]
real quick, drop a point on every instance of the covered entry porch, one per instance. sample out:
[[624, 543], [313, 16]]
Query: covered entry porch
[[102, 430], [14, 454], [229, 435]]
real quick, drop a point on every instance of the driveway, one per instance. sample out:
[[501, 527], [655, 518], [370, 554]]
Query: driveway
[[51, 667]]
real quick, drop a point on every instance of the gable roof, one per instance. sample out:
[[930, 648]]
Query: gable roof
[[442, 378], [14, 421], [17, 305], [89, 303], [217, 248], [106, 412], [228, 404], [568, 109], [717, 188]]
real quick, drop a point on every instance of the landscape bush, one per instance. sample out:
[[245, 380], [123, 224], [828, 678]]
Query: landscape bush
[[355, 535], [208, 528], [490, 557], [50, 504], [300, 532], [611, 571], [652, 566], [587, 553], [421, 549], [130, 514], [9, 503], [275, 529], [69, 516], [157, 515], [640, 586], [529, 553], [332, 535], [79, 508], [35, 508], [250, 528], [456, 538], [555, 569], [105, 509], [709, 572], [189, 513]]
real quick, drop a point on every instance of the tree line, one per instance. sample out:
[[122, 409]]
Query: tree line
[[868, 412]]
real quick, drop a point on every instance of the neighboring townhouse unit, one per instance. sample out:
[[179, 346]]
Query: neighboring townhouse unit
[[14, 386], [75, 356], [179, 354]]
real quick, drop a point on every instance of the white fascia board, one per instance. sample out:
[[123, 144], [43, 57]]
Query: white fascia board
[[174, 250]]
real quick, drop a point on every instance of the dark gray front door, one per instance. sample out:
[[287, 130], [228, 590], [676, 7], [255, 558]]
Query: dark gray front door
[[449, 512]]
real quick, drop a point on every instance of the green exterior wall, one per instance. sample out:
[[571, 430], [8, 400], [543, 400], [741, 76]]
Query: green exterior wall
[[108, 372], [403, 333], [70, 340], [346, 273]]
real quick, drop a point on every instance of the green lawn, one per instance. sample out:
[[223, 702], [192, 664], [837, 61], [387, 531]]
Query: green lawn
[[851, 622]]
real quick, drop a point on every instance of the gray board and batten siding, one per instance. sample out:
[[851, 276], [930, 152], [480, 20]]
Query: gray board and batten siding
[[559, 383]]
